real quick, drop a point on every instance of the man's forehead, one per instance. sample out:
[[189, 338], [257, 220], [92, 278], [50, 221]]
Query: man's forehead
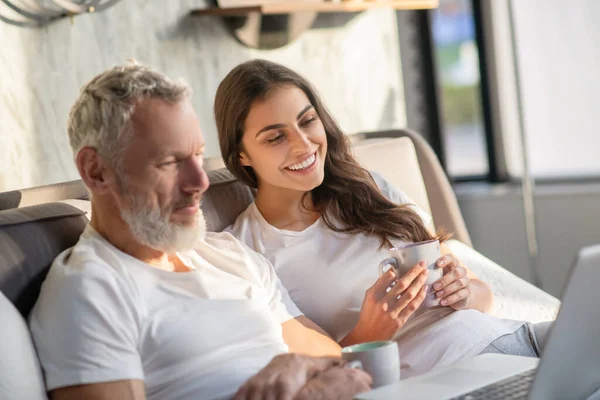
[[151, 111], [167, 124]]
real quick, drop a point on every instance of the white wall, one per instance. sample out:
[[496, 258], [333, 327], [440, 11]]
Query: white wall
[[567, 219], [356, 66]]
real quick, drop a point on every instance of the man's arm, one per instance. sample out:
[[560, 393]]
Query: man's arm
[[123, 390], [305, 337], [300, 334]]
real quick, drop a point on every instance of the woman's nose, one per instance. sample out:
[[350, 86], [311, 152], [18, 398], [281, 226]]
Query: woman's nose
[[300, 140]]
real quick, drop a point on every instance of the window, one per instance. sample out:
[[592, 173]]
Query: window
[[457, 57], [557, 59]]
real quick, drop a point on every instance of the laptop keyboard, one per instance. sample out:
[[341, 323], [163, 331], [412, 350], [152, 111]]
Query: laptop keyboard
[[513, 388]]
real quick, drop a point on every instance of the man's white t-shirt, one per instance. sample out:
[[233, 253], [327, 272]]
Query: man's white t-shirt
[[103, 315], [327, 273]]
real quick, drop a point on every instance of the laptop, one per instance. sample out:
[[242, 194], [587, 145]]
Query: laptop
[[569, 368]]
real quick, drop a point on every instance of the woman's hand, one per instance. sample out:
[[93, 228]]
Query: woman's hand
[[459, 288], [454, 287], [388, 304]]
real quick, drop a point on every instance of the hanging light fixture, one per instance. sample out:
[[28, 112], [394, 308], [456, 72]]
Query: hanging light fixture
[[32, 13]]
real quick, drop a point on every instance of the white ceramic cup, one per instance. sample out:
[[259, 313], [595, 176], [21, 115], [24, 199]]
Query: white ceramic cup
[[381, 360], [405, 257]]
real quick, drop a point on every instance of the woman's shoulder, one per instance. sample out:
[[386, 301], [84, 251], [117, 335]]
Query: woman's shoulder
[[393, 193]]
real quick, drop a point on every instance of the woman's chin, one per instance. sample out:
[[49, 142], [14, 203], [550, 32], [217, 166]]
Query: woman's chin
[[312, 182]]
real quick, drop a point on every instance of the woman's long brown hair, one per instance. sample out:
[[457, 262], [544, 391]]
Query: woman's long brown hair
[[348, 198]]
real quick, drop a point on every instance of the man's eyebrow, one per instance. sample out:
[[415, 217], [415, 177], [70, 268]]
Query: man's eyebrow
[[305, 109], [159, 155]]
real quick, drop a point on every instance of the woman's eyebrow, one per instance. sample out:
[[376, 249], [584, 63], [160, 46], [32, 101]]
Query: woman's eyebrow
[[278, 126], [305, 109], [269, 127]]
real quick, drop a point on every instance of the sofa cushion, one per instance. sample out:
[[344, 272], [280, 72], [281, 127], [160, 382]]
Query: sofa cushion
[[30, 239], [396, 160], [20, 372]]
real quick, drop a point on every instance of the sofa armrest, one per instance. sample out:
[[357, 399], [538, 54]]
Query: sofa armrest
[[514, 298]]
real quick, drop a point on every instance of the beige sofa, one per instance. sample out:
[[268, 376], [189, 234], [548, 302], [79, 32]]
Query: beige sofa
[[36, 224]]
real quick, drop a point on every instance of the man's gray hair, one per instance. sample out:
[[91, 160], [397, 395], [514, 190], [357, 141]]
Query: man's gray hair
[[101, 116]]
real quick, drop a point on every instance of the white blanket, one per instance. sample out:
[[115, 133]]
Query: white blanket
[[514, 298]]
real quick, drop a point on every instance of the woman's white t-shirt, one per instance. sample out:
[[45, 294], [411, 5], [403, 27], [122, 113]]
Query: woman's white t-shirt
[[327, 273]]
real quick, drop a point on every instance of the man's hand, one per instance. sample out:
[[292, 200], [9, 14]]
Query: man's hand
[[336, 384], [284, 376]]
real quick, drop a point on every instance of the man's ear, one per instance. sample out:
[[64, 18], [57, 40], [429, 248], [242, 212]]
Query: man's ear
[[93, 170], [245, 160]]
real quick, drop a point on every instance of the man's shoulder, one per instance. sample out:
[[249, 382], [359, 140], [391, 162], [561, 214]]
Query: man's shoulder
[[82, 275], [89, 259]]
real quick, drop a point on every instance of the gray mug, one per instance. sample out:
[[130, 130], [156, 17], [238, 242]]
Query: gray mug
[[381, 360], [405, 257]]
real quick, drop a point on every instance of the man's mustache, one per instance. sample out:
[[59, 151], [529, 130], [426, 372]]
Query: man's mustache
[[186, 202]]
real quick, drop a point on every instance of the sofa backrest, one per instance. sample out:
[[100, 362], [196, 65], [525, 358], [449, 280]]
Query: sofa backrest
[[43, 194]]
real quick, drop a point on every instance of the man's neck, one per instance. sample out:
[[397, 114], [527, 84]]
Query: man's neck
[[286, 209], [115, 230]]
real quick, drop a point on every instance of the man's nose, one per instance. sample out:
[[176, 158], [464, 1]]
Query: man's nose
[[194, 179]]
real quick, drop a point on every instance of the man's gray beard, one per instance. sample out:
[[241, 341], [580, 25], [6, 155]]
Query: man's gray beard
[[156, 231]]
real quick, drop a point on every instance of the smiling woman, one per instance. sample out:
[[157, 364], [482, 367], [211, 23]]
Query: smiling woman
[[288, 153], [270, 122]]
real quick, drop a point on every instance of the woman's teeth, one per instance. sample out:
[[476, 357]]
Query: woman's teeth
[[304, 164]]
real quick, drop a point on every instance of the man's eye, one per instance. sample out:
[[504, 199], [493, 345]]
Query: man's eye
[[168, 163]]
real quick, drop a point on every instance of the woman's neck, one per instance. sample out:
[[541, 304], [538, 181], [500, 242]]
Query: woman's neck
[[286, 209]]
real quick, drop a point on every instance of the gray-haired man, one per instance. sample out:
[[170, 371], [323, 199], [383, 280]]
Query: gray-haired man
[[147, 304]]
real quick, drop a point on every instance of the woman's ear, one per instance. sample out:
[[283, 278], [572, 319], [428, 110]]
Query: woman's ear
[[245, 160]]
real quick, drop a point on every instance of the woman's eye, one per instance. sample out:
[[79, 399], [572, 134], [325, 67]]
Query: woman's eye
[[275, 138], [308, 121]]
